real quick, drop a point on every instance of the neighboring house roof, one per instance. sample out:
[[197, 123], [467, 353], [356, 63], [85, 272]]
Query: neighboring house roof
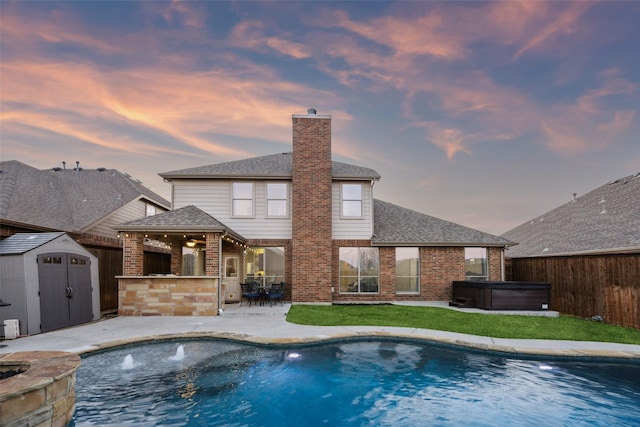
[[272, 166], [604, 220], [21, 243], [65, 199], [188, 219], [398, 226]]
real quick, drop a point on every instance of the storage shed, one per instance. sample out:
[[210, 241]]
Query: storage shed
[[50, 281]]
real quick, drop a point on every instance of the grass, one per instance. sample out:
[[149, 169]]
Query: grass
[[443, 319]]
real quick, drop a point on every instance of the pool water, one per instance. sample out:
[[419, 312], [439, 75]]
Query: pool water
[[386, 383]]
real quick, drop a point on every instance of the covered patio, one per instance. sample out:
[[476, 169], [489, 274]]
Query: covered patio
[[195, 284]]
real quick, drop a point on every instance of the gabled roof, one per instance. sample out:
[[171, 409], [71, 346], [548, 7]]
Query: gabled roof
[[70, 200], [604, 220], [188, 219], [272, 166], [397, 226], [21, 243]]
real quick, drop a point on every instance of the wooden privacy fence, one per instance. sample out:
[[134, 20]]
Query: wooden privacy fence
[[588, 285], [110, 266]]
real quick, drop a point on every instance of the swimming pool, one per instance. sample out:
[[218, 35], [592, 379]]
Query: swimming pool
[[355, 382]]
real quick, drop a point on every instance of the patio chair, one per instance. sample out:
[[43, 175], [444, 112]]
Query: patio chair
[[249, 292], [276, 293]]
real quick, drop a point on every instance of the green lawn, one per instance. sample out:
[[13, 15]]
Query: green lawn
[[492, 325]]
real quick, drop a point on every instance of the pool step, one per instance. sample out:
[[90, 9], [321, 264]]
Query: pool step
[[462, 303]]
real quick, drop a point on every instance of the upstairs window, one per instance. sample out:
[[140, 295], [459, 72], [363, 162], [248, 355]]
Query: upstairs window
[[475, 264], [277, 205], [351, 200], [242, 199]]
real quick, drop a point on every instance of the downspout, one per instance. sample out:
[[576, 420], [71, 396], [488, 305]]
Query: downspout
[[371, 219], [502, 277], [220, 275]]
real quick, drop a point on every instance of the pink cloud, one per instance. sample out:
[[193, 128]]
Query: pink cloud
[[450, 140], [590, 124], [189, 107], [560, 24], [184, 12]]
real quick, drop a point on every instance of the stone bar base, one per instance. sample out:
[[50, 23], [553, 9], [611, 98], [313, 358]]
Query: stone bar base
[[43, 394], [168, 296]]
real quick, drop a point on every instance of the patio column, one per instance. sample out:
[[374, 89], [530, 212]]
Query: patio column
[[176, 259], [212, 260], [133, 254]]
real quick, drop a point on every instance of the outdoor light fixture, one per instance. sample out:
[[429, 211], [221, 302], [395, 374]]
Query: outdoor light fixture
[[191, 244]]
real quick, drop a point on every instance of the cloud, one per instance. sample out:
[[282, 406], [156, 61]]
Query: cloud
[[591, 123], [560, 23], [252, 34], [194, 109], [443, 61], [450, 140], [183, 12]]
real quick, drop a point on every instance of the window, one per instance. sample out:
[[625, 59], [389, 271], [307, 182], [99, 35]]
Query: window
[[193, 261], [407, 270], [277, 200], [475, 264], [150, 210], [242, 195], [359, 270], [231, 266], [265, 265], [351, 200]]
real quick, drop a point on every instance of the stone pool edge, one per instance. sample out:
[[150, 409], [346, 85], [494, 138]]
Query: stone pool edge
[[489, 345]]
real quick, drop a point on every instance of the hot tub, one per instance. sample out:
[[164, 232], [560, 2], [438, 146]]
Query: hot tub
[[490, 295]]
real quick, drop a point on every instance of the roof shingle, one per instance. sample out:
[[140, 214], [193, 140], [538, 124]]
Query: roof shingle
[[398, 226], [272, 166], [66, 200], [606, 219]]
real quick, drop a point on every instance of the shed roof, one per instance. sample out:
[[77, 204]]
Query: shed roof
[[21, 243], [604, 220], [398, 226], [271, 166], [69, 200]]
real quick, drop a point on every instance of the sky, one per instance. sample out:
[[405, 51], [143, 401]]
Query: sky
[[486, 114]]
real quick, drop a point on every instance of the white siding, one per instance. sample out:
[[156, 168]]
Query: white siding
[[129, 212], [214, 197], [353, 228]]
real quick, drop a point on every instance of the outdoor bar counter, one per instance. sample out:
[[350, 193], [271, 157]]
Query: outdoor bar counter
[[168, 295]]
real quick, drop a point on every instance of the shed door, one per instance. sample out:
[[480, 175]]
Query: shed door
[[65, 290]]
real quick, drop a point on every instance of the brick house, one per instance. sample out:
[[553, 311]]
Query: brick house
[[314, 223]]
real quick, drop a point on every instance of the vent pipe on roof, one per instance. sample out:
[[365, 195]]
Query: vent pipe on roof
[[312, 111], [64, 165]]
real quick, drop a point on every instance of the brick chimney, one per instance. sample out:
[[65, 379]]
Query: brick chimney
[[311, 208]]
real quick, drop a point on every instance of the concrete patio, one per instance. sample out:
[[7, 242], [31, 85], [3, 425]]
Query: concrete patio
[[267, 325]]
